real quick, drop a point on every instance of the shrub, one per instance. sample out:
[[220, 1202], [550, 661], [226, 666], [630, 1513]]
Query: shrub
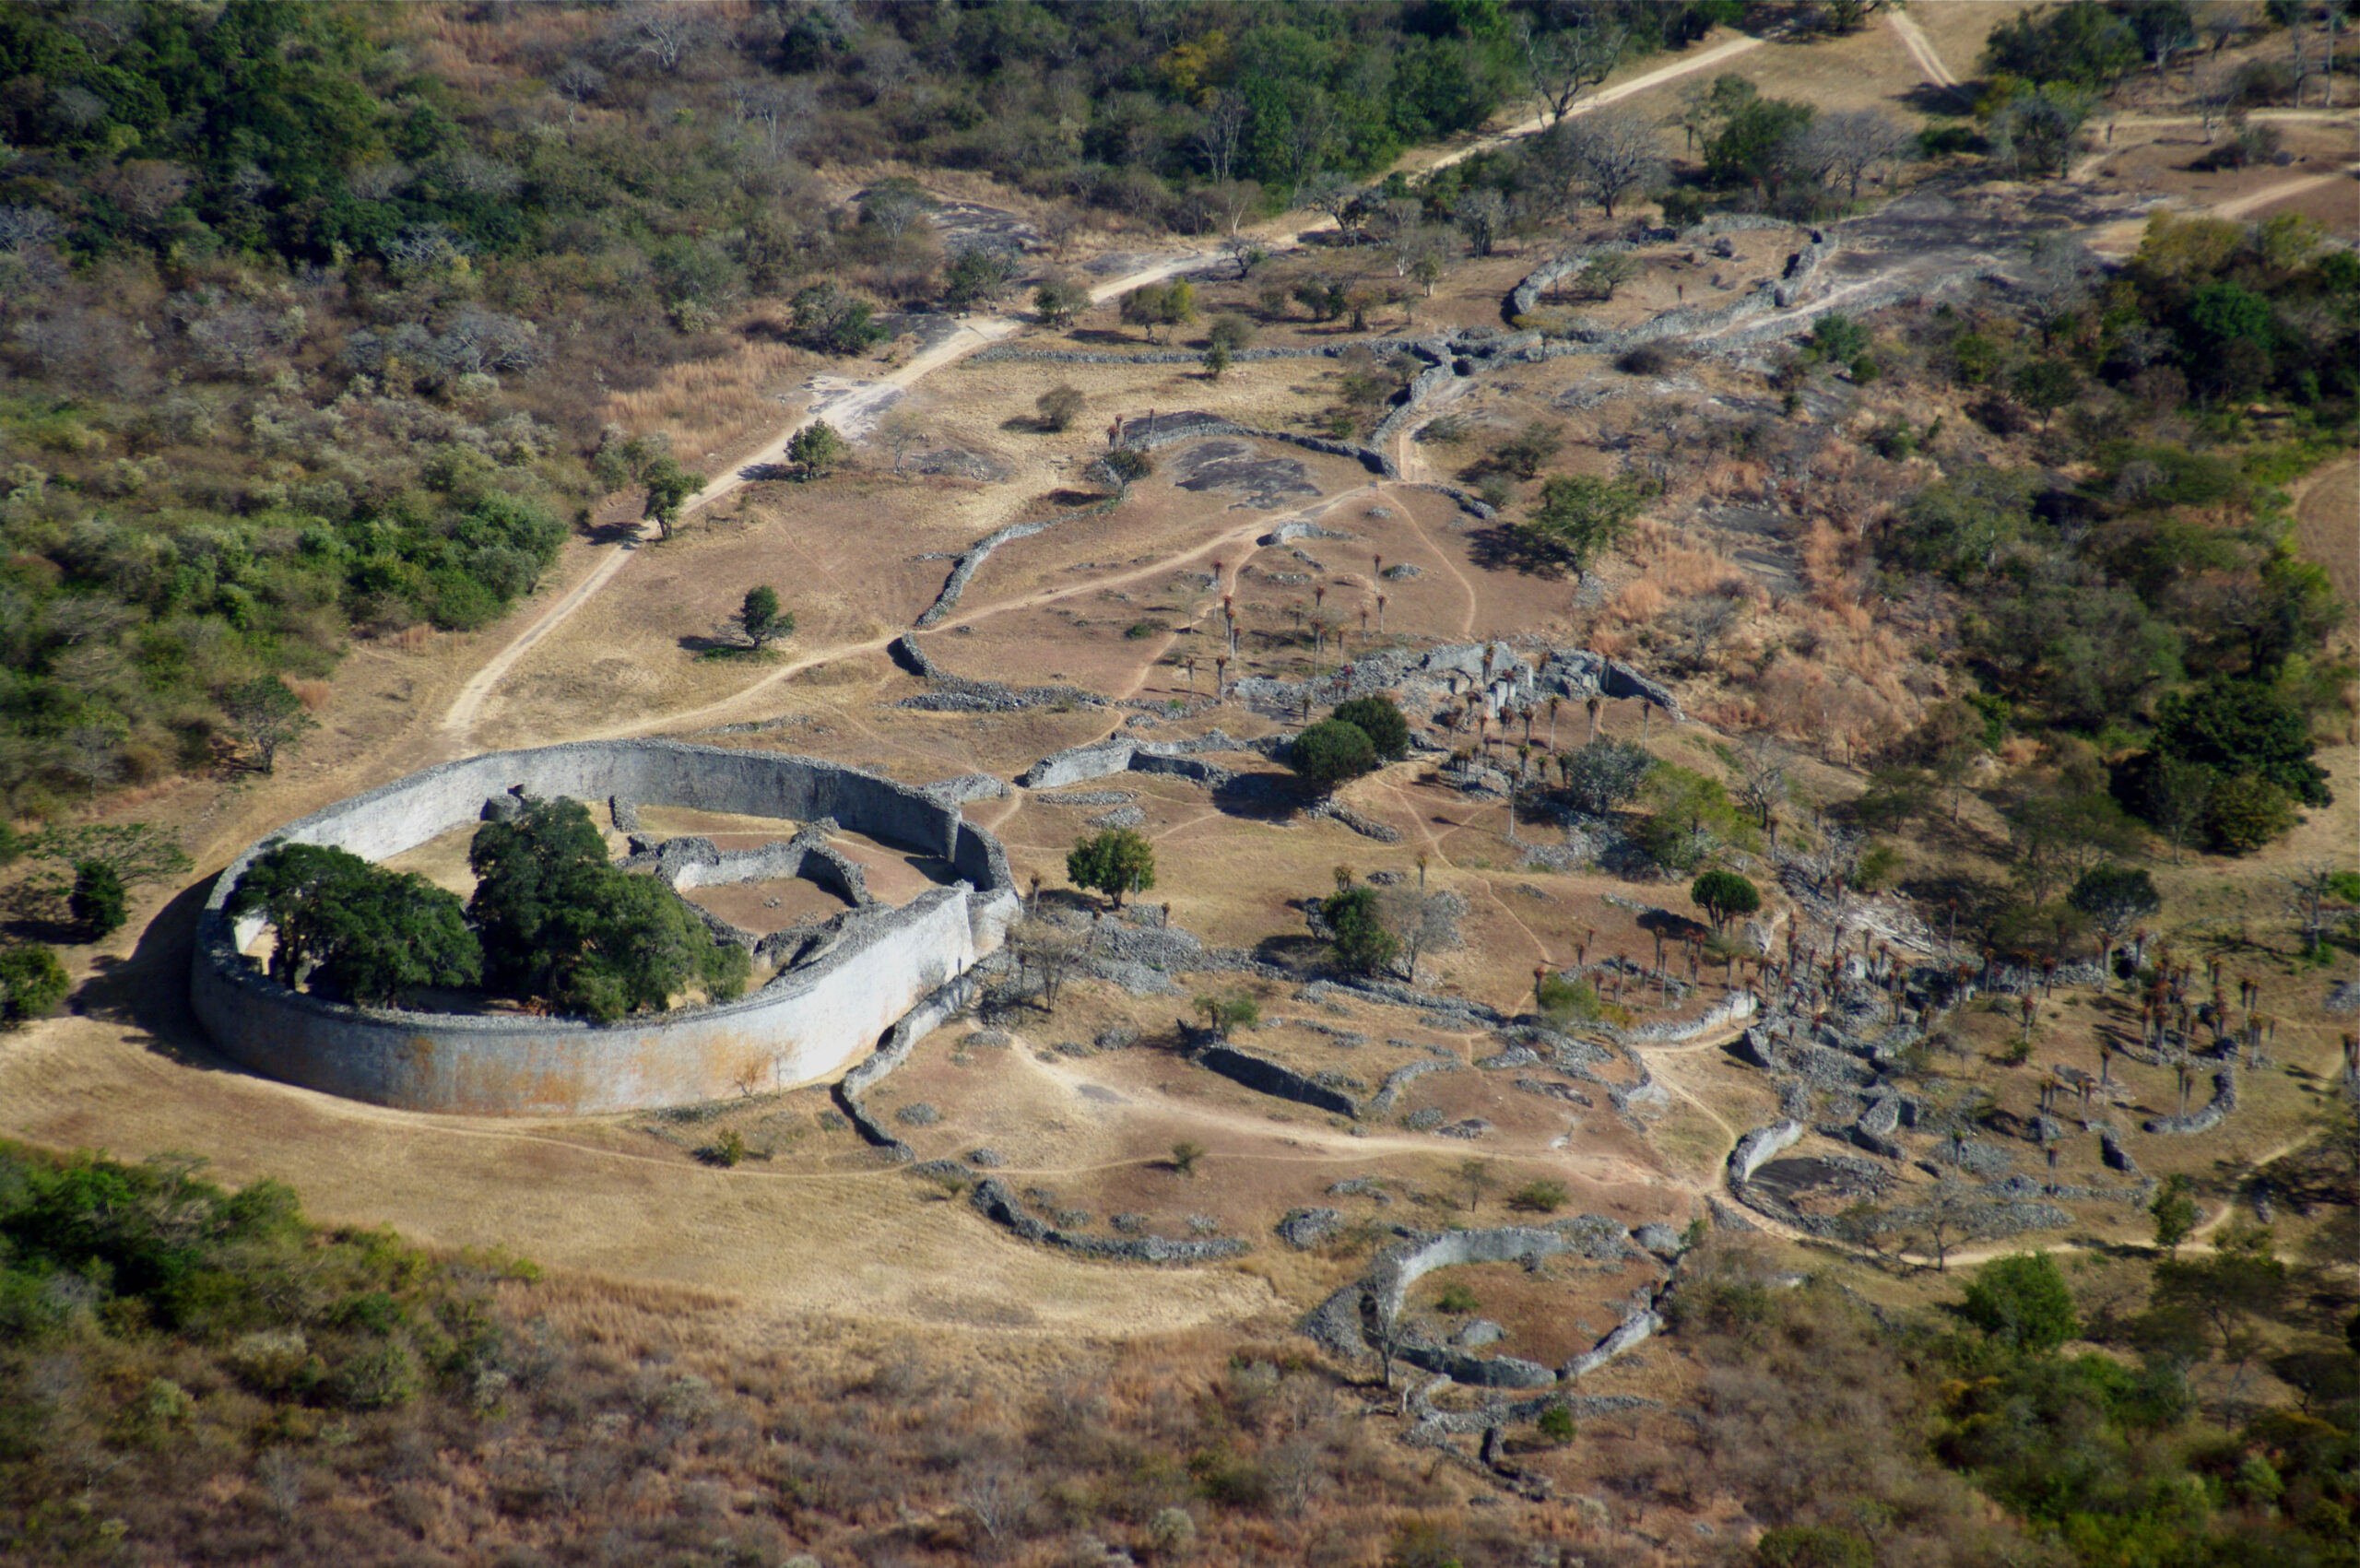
[[2022, 1302], [1059, 406], [1605, 773], [1127, 467], [1556, 1424], [2246, 812], [1567, 999], [828, 318], [818, 449], [1238, 1009], [1813, 1546], [1457, 1299], [1361, 942], [1526, 453], [1540, 1198], [1648, 359], [760, 619], [98, 901], [32, 983], [1185, 1156]]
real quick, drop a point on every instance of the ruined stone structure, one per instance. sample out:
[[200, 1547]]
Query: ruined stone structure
[[826, 1009]]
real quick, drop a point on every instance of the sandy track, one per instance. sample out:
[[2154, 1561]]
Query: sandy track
[[1921, 49], [2238, 207], [853, 408], [1615, 94]]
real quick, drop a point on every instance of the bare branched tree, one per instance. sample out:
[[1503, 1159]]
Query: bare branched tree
[[1847, 144], [1560, 65], [1220, 132]]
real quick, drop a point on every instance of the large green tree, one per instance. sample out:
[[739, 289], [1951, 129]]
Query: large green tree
[[355, 930], [2238, 726], [1580, 515], [1330, 753], [1379, 718], [1115, 862], [562, 925], [2022, 1303]]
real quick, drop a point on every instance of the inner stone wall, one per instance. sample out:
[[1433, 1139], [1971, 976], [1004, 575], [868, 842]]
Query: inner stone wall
[[809, 1022]]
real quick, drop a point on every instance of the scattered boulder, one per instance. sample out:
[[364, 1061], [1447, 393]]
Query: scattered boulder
[[1309, 1227]]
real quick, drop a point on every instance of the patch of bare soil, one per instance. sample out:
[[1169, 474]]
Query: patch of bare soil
[[772, 904], [2328, 527]]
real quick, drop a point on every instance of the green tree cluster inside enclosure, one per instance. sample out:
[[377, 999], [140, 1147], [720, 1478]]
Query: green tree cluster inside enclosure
[[551, 921]]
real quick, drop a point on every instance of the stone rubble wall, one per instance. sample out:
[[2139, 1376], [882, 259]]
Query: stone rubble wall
[[1266, 1077], [994, 1202], [2206, 1117], [980, 551], [807, 1024]]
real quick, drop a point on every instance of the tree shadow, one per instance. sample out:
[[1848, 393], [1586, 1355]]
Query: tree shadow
[[1672, 927], [1262, 797], [725, 647], [1501, 547], [1929, 97], [147, 994], [1298, 953], [1103, 335], [625, 533]]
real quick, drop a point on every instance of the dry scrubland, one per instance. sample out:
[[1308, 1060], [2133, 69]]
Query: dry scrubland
[[807, 1349]]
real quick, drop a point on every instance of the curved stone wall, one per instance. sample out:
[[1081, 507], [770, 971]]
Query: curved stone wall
[[809, 1022]]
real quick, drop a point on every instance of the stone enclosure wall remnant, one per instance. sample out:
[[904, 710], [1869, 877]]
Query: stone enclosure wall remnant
[[813, 1019]]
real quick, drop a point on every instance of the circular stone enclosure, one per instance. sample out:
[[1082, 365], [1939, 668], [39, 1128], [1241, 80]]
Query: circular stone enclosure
[[809, 1022]]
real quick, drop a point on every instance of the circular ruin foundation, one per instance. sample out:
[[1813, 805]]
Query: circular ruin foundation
[[839, 990]]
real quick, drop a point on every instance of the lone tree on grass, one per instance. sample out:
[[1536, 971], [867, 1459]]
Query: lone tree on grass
[[1724, 895], [1331, 753], [2174, 1212], [267, 717], [32, 983], [1361, 942], [355, 930], [1115, 862], [1578, 515], [669, 486], [817, 449], [760, 620]]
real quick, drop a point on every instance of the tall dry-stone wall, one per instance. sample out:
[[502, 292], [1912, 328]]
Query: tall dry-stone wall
[[809, 1022]]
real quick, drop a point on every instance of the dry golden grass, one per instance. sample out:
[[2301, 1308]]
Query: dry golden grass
[[709, 405]]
